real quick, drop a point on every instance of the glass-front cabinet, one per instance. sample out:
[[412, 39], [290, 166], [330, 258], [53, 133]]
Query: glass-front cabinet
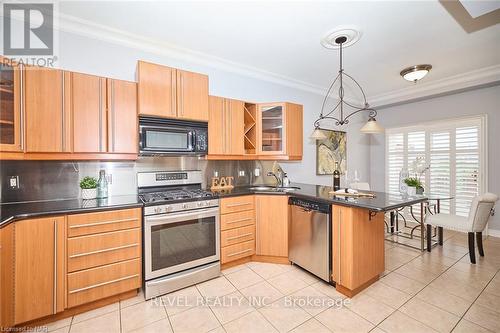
[[10, 108], [272, 132]]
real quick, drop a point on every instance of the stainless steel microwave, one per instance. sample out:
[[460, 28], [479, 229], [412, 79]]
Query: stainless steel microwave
[[159, 136]]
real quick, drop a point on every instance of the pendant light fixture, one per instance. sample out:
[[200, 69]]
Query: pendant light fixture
[[342, 119]]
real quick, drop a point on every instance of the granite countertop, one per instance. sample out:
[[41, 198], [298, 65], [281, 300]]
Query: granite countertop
[[381, 202], [10, 212]]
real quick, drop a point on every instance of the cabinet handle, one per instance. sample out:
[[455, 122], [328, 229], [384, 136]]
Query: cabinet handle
[[113, 118], [238, 204], [100, 115], [100, 223], [63, 118], [182, 94], [173, 91], [240, 252], [21, 106], [103, 250], [240, 236], [339, 247], [240, 220], [55, 268], [103, 283]]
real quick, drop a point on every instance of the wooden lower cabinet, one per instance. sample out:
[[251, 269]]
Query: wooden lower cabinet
[[271, 225], [358, 248], [49, 265], [237, 228]]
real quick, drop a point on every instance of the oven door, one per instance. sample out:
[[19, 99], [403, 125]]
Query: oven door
[[178, 241], [166, 140]]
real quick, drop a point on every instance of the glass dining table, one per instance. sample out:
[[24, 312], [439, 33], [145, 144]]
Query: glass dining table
[[432, 205]]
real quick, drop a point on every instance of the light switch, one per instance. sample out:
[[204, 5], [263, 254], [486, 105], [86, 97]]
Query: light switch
[[14, 182]]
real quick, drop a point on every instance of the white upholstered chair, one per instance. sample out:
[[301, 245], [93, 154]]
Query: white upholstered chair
[[360, 186], [480, 211]]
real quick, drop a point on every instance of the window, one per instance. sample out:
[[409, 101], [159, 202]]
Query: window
[[454, 150]]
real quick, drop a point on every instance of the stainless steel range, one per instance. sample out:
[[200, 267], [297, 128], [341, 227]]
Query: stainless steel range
[[181, 231]]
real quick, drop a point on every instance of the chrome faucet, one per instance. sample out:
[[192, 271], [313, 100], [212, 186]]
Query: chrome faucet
[[279, 180]]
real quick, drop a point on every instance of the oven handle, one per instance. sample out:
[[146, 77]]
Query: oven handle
[[172, 218]]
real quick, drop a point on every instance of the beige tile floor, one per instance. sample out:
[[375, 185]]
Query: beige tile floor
[[419, 292]]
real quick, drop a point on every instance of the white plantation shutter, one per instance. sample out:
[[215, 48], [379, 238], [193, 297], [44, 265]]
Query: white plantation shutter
[[455, 151]]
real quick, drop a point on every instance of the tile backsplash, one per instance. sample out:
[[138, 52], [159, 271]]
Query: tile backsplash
[[52, 180]]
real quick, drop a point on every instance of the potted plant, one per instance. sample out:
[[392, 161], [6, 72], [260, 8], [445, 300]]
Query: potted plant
[[414, 186], [89, 187]]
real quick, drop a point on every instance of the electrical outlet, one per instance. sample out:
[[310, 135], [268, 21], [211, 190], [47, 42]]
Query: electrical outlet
[[256, 172], [14, 182], [109, 178], [241, 173]]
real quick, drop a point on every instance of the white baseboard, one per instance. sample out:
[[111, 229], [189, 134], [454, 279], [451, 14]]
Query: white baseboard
[[494, 233]]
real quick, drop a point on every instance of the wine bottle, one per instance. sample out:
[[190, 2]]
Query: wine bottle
[[336, 177]]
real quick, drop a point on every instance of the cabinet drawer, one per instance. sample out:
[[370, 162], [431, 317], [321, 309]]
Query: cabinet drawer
[[237, 251], [104, 281], [92, 223], [236, 220], [236, 204], [101, 249], [238, 235]]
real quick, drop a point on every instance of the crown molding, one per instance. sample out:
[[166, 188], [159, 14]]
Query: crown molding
[[78, 26], [105, 33], [477, 78]]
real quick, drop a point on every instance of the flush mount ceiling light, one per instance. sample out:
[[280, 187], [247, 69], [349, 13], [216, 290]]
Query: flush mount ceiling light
[[341, 119], [415, 73]]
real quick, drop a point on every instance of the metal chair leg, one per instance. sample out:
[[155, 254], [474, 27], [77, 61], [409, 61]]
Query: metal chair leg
[[479, 239], [429, 237], [472, 250]]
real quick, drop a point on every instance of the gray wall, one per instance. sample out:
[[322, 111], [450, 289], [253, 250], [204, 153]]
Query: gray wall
[[474, 102]]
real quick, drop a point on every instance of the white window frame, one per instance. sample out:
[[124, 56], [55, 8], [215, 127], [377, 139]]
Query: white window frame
[[438, 125]]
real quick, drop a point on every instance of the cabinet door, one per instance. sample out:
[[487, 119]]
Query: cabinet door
[[38, 268], [216, 126], [88, 100], [294, 130], [192, 96], [271, 118], [342, 244], [271, 225], [10, 106], [122, 117], [157, 90], [235, 128], [46, 129]]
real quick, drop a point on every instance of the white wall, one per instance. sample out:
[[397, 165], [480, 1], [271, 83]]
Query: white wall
[[480, 101], [92, 56]]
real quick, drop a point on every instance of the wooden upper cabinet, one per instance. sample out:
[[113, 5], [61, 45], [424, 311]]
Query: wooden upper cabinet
[[294, 130], [45, 122], [88, 106], [38, 268], [216, 126], [157, 90], [236, 133], [10, 106], [271, 213], [280, 130], [192, 96], [225, 126], [122, 117]]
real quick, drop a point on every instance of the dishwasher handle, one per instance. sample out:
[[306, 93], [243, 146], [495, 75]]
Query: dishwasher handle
[[310, 205]]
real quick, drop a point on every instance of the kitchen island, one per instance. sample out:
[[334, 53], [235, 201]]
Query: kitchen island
[[356, 236]]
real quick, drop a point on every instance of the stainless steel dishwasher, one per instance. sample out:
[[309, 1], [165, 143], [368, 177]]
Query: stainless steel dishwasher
[[309, 236]]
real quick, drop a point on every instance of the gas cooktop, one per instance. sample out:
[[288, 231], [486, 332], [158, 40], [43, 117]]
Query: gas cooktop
[[175, 195]]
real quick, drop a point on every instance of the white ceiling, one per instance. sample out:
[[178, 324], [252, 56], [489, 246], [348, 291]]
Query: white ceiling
[[283, 38]]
